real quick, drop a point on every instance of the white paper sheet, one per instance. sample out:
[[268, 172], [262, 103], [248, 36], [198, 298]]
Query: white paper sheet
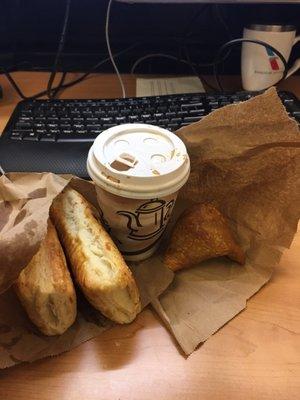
[[174, 85]]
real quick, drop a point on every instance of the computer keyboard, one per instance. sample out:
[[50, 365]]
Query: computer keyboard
[[55, 135]]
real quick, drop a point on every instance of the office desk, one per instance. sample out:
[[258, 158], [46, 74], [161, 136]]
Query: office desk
[[256, 356]]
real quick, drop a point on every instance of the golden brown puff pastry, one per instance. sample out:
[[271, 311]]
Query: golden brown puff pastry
[[97, 264], [45, 288], [200, 233]]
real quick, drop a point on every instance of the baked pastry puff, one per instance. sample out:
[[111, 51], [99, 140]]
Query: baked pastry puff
[[98, 266], [45, 288], [200, 233]]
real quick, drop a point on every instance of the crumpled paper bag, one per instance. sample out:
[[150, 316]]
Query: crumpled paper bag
[[245, 158], [25, 200]]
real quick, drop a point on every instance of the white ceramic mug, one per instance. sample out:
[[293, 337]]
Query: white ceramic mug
[[261, 67]]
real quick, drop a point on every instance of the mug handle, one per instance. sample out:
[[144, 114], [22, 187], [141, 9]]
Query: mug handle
[[296, 40], [296, 64]]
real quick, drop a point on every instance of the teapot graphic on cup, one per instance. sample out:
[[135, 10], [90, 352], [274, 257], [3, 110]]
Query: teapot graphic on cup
[[148, 220]]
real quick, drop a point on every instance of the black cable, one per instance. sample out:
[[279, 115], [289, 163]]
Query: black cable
[[187, 30], [14, 85], [61, 44], [220, 20], [218, 58], [195, 71], [65, 85], [219, 14], [59, 86], [86, 74]]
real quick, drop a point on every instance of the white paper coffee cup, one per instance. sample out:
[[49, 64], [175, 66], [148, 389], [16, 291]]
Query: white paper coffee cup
[[138, 170]]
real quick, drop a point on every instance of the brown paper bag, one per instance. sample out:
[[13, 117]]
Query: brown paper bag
[[245, 158], [25, 200]]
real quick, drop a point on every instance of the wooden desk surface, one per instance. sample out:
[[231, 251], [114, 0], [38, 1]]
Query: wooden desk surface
[[256, 356]]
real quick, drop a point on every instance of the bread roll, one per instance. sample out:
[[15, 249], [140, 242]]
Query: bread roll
[[97, 264], [45, 288]]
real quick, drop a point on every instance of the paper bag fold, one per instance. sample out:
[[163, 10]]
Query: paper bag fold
[[245, 159], [25, 200]]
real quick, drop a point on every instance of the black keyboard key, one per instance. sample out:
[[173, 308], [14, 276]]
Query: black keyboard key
[[162, 109], [77, 137], [145, 116], [82, 131], [193, 113], [286, 102], [170, 114], [176, 120], [65, 126], [100, 113], [48, 137], [93, 126], [94, 133], [16, 135], [106, 120], [41, 132], [182, 114], [62, 113], [40, 113], [133, 118], [74, 113], [191, 119], [25, 113], [293, 109], [112, 113], [150, 121], [107, 126], [149, 110], [120, 120], [90, 119], [87, 113], [23, 125], [196, 98], [193, 106], [65, 119], [163, 121], [173, 127], [33, 136], [50, 114], [25, 119], [297, 118]]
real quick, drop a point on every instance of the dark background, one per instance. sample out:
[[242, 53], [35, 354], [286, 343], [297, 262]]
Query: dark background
[[30, 29]]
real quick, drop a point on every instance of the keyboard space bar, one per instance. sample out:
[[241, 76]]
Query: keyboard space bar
[[76, 138]]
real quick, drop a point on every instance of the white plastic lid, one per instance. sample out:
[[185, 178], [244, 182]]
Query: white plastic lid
[[138, 161]]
